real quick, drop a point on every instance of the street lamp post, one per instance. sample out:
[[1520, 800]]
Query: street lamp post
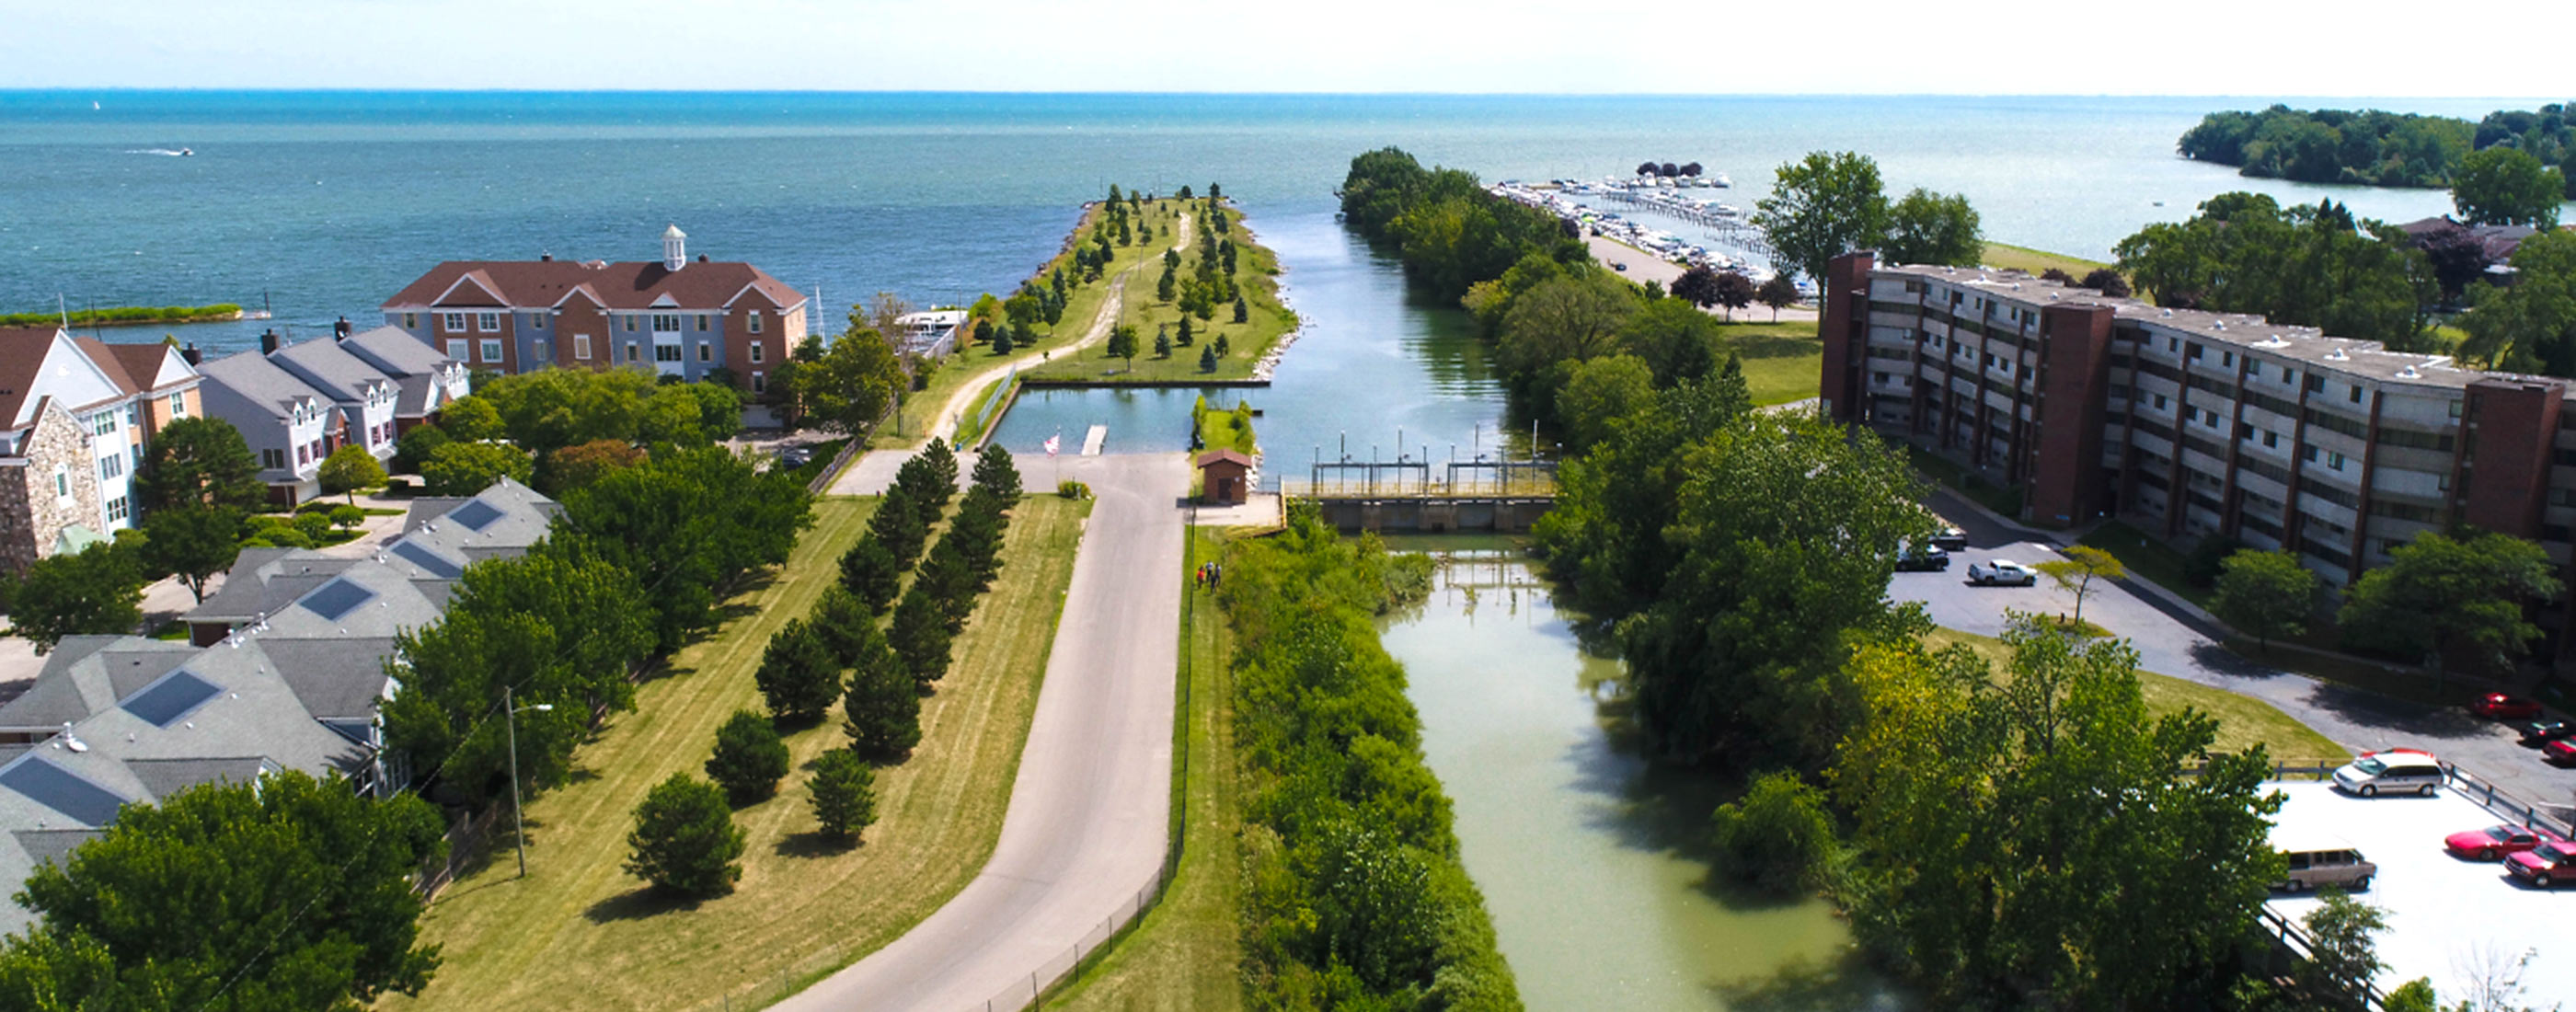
[[518, 825]]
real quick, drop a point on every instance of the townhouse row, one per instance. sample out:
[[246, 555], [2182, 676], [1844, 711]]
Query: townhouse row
[[2192, 424]]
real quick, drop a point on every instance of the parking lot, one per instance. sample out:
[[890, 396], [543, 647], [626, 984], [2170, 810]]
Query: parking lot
[[2171, 642], [2448, 919]]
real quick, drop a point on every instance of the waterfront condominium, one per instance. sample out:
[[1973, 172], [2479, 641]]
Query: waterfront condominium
[[2190, 424], [674, 316], [76, 416]]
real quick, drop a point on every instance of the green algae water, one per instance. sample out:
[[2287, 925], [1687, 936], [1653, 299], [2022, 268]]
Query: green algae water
[[1593, 863]]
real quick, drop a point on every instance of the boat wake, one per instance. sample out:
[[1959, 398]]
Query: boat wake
[[168, 152]]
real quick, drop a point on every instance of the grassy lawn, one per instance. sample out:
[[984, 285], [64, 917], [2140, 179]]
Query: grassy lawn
[[2243, 721], [1218, 429], [1783, 362], [970, 426], [1256, 274], [1184, 955], [2023, 258], [580, 932], [2147, 558]]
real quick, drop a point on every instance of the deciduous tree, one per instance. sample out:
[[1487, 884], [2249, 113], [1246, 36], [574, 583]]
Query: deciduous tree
[[349, 469], [468, 468], [472, 419], [2076, 573], [1823, 206], [2106, 281], [685, 840], [97, 591], [1734, 291], [1924, 227], [1778, 292], [202, 461], [2265, 595], [193, 543], [2443, 598], [288, 893], [2507, 186], [579, 465]]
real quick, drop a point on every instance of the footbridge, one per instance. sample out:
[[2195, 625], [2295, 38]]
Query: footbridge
[[1420, 495]]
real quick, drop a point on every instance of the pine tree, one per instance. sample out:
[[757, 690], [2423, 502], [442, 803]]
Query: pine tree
[[882, 710], [920, 636], [1242, 310], [1162, 346], [844, 790], [749, 758], [798, 675], [996, 473], [685, 840], [871, 573], [901, 524], [844, 623], [1183, 334], [1207, 359]]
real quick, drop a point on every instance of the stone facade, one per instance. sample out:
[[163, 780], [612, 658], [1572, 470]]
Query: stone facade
[[32, 514]]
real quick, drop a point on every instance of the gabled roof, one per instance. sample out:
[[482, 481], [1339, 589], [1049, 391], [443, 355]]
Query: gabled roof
[[1226, 456], [698, 285], [331, 369], [139, 367], [39, 362], [397, 353], [254, 378]]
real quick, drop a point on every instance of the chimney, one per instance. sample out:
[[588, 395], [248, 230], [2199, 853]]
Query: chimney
[[191, 353], [340, 330], [702, 258], [545, 258], [268, 342]]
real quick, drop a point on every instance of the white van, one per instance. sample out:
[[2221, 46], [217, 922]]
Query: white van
[[2319, 863], [2391, 771]]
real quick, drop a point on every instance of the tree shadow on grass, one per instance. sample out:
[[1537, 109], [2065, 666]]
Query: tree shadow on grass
[[638, 903], [1805, 985], [813, 844]]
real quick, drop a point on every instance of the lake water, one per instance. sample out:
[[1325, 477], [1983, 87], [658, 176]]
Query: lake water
[[1593, 864], [326, 203]]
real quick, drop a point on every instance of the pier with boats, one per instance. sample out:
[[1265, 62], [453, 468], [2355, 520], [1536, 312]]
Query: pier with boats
[[1723, 238]]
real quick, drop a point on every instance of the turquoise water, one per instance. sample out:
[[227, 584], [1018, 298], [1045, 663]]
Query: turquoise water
[[328, 202]]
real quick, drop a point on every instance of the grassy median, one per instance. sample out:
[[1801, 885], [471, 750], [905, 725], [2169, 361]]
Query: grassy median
[[1186, 955], [580, 932]]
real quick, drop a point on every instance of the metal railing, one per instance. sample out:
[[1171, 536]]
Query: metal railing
[[2504, 805], [1522, 486]]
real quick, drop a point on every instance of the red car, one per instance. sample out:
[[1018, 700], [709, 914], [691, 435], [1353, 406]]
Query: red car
[[2560, 753], [2545, 865], [2499, 706], [2497, 841]]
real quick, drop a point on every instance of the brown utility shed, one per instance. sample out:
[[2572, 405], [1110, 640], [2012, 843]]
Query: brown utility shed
[[1225, 476]]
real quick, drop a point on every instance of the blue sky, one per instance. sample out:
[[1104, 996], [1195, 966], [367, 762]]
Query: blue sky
[[2174, 47]]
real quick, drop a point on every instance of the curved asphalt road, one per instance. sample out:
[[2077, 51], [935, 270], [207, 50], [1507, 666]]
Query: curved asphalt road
[[1090, 809]]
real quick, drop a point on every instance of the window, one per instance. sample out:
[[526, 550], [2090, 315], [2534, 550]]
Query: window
[[456, 350], [2334, 461], [581, 346], [62, 482], [2455, 409], [272, 459], [666, 353], [134, 414], [303, 455], [630, 323], [453, 323], [2356, 393], [2308, 453], [2244, 430], [2271, 440], [751, 321], [537, 321], [666, 323], [119, 509], [411, 321], [706, 351], [2227, 358], [489, 323], [2192, 352], [702, 323], [758, 353], [2161, 402], [630, 351], [1879, 377], [491, 349], [759, 382], [102, 423], [178, 405], [2316, 384], [111, 468]]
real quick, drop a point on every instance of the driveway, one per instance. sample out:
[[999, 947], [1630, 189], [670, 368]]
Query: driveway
[[1090, 810], [2170, 642]]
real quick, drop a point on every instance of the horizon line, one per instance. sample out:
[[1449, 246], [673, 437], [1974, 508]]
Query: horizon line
[[1109, 93]]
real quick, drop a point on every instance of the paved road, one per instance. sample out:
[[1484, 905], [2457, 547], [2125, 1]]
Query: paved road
[[1090, 810], [2176, 644]]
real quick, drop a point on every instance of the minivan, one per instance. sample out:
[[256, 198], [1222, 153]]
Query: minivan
[[2318, 864], [2391, 771]]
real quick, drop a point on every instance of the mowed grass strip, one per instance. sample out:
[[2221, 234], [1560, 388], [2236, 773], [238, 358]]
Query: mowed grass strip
[[1187, 953], [1783, 361], [2243, 721], [1266, 319], [579, 932], [2006, 256]]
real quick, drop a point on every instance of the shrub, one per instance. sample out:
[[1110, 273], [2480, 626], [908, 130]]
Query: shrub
[[749, 757], [347, 517], [685, 840], [844, 787], [415, 447], [1778, 835], [882, 711], [1071, 489]]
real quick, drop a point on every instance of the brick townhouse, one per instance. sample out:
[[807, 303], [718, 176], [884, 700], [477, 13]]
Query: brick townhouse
[[2190, 424], [675, 316]]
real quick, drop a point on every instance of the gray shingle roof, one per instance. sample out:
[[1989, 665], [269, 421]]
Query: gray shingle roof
[[259, 381], [331, 369], [397, 352]]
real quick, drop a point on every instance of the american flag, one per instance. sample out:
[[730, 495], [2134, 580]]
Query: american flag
[[1053, 442]]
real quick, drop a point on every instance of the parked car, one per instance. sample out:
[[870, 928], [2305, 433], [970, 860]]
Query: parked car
[[2546, 865], [2560, 753], [2495, 842], [2002, 573], [2391, 771], [795, 456], [1922, 559], [2499, 706], [2322, 863], [1950, 538], [2542, 732]]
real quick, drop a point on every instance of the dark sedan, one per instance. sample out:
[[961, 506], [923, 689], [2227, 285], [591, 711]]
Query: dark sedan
[[2542, 732]]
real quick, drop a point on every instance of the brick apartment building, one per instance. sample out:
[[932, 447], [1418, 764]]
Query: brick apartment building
[[2189, 423], [675, 316]]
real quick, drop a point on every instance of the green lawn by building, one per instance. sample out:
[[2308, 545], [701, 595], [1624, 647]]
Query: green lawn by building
[[2243, 721], [2023, 258], [1783, 362], [579, 932]]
